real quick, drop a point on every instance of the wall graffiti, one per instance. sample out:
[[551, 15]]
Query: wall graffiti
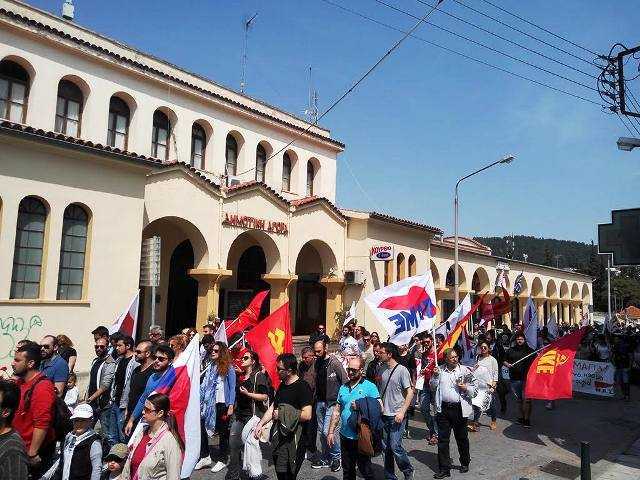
[[13, 329]]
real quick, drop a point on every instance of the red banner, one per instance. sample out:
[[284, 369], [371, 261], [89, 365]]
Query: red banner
[[550, 375], [248, 317], [270, 338]]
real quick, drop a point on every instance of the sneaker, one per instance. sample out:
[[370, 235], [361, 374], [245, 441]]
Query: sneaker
[[464, 468], [526, 423], [204, 462], [442, 474], [493, 425], [336, 465], [218, 467], [319, 464]]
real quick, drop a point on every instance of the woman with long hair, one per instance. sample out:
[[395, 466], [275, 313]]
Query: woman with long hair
[[66, 351], [178, 343], [252, 401], [486, 371], [217, 399], [156, 451]]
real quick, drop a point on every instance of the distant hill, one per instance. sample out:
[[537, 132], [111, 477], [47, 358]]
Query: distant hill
[[544, 251]]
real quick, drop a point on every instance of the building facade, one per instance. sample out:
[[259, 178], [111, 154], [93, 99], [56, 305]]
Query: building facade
[[103, 146]]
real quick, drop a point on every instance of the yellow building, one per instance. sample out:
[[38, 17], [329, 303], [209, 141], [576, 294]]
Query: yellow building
[[103, 146]]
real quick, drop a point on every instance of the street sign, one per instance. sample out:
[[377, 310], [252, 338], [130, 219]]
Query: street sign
[[621, 237], [150, 262]]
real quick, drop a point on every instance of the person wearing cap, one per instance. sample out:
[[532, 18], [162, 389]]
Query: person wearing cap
[[115, 462], [81, 453]]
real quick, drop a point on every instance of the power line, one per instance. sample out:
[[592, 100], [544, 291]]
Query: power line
[[475, 42], [362, 77], [541, 28], [522, 32], [624, 123], [489, 32], [464, 55]]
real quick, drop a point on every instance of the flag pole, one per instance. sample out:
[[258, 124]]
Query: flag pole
[[527, 356], [435, 350]]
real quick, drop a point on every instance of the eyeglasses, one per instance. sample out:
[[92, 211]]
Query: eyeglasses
[[281, 369], [352, 370], [140, 352], [148, 410], [367, 340], [101, 347], [160, 359], [46, 347], [484, 347], [215, 350]]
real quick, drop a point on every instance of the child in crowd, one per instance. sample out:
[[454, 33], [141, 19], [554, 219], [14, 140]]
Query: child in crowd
[[115, 461], [81, 452], [71, 397]]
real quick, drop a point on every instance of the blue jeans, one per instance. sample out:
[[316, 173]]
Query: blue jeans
[[425, 408], [323, 414], [118, 413], [393, 449], [109, 428]]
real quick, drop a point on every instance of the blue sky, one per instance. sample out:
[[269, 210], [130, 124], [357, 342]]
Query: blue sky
[[425, 117]]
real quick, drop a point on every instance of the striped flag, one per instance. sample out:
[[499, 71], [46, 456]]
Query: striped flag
[[127, 321]]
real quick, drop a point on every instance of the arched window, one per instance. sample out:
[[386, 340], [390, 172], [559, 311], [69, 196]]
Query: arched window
[[286, 172], [118, 127], [231, 155], [198, 145], [388, 273], [412, 266], [72, 253], [160, 135], [14, 86], [400, 271], [261, 163], [311, 173], [27, 254], [69, 109]]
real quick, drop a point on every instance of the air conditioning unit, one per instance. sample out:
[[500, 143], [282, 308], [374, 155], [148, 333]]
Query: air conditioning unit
[[233, 181], [353, 277]]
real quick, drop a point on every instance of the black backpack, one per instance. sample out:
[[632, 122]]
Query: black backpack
[[62, 423]]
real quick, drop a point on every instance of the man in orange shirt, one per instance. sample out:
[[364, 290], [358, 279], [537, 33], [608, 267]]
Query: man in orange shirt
[[34, 416]]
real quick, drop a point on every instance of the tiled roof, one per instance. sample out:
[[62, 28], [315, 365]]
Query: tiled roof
[[314, 199], [97, 48], [194, 171], [87, 145], [404, 222], [254, 184]]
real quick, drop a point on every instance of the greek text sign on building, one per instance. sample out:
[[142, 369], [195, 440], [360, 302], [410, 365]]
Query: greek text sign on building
[[382, 253], [245, 221]]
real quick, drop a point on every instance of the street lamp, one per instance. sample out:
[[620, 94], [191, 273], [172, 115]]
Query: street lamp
[[628, 143], [505, 160]]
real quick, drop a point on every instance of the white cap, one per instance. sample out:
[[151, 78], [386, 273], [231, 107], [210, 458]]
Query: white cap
[[83, 410]]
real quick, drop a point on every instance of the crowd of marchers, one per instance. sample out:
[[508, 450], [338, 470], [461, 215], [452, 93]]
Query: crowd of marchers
[[337, 406]]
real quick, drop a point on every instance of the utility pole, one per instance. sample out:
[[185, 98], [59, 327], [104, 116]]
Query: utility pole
[[243, 75]]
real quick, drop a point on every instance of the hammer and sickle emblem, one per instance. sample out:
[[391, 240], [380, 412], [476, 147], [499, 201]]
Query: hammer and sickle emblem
[[276, 337]]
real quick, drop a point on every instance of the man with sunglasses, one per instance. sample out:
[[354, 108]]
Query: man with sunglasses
[[319, 334], [162, 358], [137, 381], [125, 363], [356, 388], [53, 366], [101, 375]]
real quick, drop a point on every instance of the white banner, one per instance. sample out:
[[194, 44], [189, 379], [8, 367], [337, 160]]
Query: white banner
[[595, 378]]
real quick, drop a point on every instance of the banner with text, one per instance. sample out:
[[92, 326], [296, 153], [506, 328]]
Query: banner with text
[[595, 378]]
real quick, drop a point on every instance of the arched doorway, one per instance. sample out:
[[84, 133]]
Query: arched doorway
[[311, 295], [251, 266], [182, 292]]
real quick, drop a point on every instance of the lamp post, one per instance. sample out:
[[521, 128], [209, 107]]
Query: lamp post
[[628, 143], [505, 160]]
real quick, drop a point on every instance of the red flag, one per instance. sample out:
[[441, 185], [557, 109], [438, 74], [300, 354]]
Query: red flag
[[504, 306], [270, 338], [551, 374], [452, 339], [248, 317], [127, 321]]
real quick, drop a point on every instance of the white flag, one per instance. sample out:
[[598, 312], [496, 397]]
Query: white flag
[[351, 314], [405, 308], [221, 334], [127, 321], [530, 324], [458, 314], [552, 327]]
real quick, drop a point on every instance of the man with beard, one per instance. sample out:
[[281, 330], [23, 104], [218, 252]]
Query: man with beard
[[53, 366], [101, 376], [517, 360], [138, 380]]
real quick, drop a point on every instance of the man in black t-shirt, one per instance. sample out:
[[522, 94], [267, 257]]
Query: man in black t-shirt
[[518, 360], [291, 410], [124, 350], [139, 376]]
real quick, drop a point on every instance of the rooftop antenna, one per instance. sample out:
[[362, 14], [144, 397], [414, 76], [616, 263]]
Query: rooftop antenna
[[312, 110], [247, 26], [68, 10]]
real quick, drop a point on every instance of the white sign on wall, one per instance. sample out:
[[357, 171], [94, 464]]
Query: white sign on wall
[[150, 262], [595, 378], [382, 253]]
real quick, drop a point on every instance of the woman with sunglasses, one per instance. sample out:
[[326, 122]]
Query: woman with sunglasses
[[375, 338], [155, 452], [217, 399], [486, 371], [252, 401]]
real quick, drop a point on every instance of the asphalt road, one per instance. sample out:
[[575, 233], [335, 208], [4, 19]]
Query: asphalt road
[[548, 451]]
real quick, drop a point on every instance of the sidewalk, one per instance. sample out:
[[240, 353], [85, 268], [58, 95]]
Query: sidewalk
[[626, 465]]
